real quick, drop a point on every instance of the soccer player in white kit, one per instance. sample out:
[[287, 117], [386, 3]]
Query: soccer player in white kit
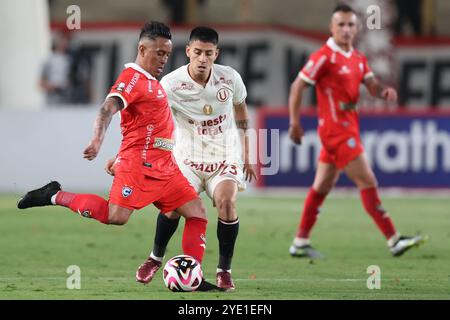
[[208, 103]]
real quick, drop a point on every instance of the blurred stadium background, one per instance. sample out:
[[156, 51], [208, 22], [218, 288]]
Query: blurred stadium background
[[266, 41], [42, 137]]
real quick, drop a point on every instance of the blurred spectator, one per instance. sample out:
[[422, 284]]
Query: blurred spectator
[[80, 76], [409, 11], [55, 76]]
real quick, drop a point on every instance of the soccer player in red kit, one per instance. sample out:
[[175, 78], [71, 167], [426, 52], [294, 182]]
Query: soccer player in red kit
[[337, 70], [146, 171]]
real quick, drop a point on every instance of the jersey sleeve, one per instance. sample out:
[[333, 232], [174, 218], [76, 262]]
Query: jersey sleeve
[[367, 71], [125, 88], [314, 68], [240, 92]]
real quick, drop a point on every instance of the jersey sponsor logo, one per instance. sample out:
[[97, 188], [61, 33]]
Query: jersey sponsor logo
[[120, 87], [209, 123], [164, 144], [361, 67], [344, 70], [132, 83], [207, 109], [223, 94], [347, 106], [126, 191], [223, 80], [183, 86], [148, 138]]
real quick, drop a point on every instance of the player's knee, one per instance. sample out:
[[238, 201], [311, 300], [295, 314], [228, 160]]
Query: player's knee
[[226, 207], [324, 188], [172, 215], [199, 212], [117, 218], [366, 181]]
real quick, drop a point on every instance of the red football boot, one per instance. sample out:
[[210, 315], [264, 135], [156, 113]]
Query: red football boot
[[147, 270], [224, 280]]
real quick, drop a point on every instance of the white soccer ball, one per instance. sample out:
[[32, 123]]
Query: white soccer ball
[[182, 273]]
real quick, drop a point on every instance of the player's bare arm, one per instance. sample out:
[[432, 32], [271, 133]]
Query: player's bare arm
[[376, 89], [241, 117], [295, 99], [111, 106]]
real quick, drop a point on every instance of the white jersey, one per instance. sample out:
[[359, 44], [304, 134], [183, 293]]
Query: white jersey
[[206, 129]]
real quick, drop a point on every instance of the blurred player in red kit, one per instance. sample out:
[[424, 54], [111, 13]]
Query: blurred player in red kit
[[146, 170], [337, 70]]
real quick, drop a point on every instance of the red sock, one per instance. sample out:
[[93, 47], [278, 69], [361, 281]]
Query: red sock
[[87, 205], [372, 204], [313, 202], [194, 240]]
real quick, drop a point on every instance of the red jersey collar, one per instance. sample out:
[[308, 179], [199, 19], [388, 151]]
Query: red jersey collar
[[333, 46], [137, 67]]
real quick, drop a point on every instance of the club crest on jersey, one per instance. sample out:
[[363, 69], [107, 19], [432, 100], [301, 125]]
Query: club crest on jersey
[[85, 213], [351, 142], [223, 95], [207, 109], [126, 192]]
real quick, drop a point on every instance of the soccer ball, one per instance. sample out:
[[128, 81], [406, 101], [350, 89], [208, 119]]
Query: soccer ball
[[182, 273]]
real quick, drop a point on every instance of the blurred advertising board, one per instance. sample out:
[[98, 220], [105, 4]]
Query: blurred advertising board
[[408, 150]]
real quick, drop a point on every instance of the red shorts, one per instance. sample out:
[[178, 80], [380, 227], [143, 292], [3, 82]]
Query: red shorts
[[135, 191], [340, 152]]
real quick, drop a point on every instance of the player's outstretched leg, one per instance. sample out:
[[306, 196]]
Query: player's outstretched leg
[[165, 228], [86, 205], [39, 197]]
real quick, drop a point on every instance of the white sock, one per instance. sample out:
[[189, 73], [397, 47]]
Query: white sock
[[160, 259], [53, 199], [392, 240], [300, 242], [221, 270]]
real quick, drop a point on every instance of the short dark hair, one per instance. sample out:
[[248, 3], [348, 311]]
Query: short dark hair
[[155, 29], [343, 8], [204, 34]]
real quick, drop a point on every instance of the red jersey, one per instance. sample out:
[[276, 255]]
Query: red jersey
[[337, 76], [146, 123]]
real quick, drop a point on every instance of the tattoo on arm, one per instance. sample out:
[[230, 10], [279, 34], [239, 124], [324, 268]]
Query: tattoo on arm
[[242, 124], [104, 117]]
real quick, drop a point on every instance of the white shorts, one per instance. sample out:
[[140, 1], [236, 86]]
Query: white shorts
[[206, 176]]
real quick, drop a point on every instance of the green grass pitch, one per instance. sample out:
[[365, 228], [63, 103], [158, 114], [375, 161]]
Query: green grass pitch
[[37, 245]]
